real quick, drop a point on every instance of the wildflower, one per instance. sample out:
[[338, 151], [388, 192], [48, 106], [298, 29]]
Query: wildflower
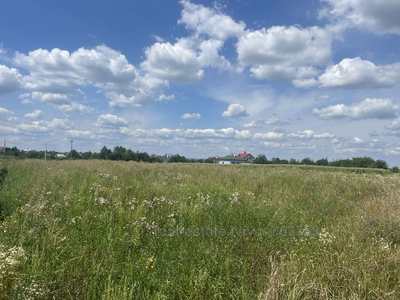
[[132, 203], [205, 198], [10, 259], [251, 195], [325, 237], [150, 263], [304, 234], [383, 244], [34, 290], [102, 200], [234, 198]]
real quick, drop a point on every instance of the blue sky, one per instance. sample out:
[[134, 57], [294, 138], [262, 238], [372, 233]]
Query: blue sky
[[312, 79]]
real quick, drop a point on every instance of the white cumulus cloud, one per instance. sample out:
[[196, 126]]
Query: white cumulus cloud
[[209, 21], [191, 116], [110, 120], [381, 16], [235, 110], [10, 79], [369, 108], [34, 114], [359, 73], [290, 53]]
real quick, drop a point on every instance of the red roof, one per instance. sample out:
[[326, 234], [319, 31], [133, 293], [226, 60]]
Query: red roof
[[244, 155]]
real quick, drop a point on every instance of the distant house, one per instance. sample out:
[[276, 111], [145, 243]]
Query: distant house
[[60, 156], [224, 162], [245, 156], [241, 158]]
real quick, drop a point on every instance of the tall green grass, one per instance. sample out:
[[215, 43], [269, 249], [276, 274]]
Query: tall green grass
[[116, 230]]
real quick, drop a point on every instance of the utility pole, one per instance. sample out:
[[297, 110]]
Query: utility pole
[[72, 148], [45, 153]]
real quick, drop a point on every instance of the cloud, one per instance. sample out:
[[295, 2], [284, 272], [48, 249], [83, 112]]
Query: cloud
[[145, 88], [80, 134], [270, 136], [191, 116], [369, 108], [395, 125], [359, 73], [58, 123], [189, 133], [309, 134], [52, 98], [210, 22], [111, 121], [235, 110], [101, 66], [394, 128], [185, 60], [10, 80], [8, 130], [33, 127], [74, 107], [52, 74], [164, 97], [375, 15], [34, 115], [176, 62], [5, 111], [300, 139], [209, 55], [289, 53]]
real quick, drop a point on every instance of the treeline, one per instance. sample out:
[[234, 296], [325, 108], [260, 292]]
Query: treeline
[[123, 154], [355, 162], [118, 153]]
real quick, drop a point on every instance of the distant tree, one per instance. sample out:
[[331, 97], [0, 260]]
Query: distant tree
[[293, 161], [322, 162], [177, 158], [155, 158], [87, 155], [143, 156], [74, 155], [210, 160], [105, 153], [119, 153], [261, 159], [395, 170], [363, 162], [381, 164], [275, 160], [307, 161]]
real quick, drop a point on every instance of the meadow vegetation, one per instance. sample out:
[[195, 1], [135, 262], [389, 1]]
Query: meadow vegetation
[[128, 230]]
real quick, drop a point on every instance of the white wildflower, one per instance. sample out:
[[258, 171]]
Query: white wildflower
[[10, 259], [325, 237], [234, 198], [384, 244], [102, 200]]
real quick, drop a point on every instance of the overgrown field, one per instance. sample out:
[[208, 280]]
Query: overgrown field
[[108, 230]]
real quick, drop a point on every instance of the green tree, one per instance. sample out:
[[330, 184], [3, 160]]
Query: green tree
[[261, 159]]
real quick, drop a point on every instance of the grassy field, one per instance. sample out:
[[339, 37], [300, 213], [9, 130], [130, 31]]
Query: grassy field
[[116, 230]]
